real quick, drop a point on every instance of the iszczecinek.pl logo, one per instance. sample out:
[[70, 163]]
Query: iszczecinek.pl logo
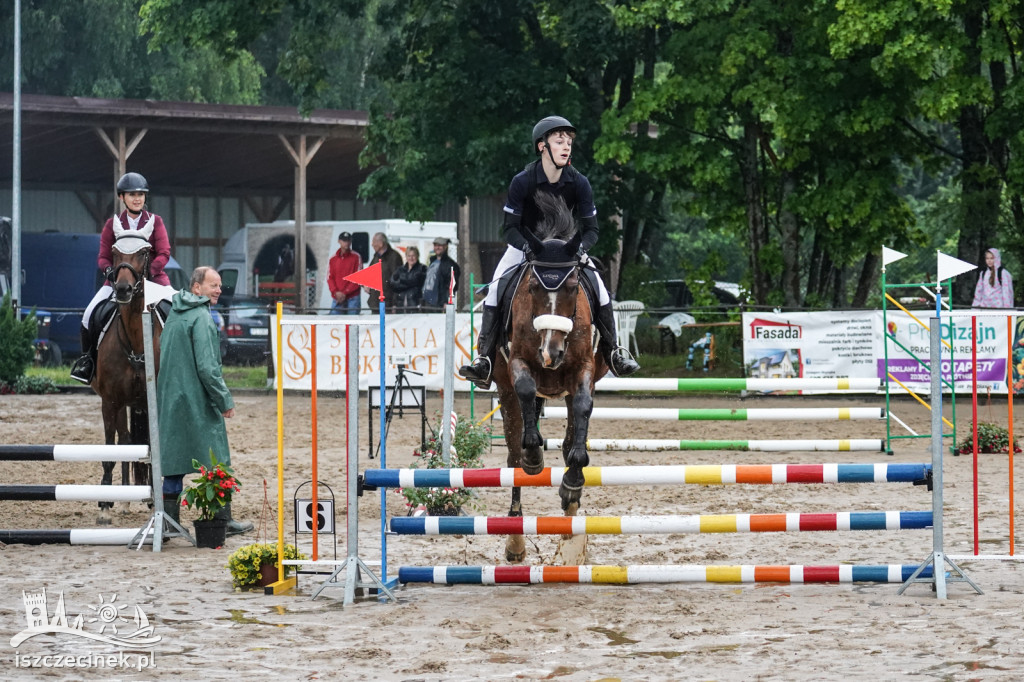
[[105, 622]]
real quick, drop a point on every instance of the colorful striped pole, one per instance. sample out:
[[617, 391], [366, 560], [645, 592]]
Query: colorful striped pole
[[629, 525], [651, 475], [88, 493], [626, 445], [740, 384], [724, 414], [73, 453], [632, 575]]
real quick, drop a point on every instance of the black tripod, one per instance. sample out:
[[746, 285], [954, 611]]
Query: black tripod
[[396, 401]]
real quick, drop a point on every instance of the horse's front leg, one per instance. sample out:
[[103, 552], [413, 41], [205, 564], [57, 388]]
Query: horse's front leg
[[109, 432], [532, 444], [575, 452]]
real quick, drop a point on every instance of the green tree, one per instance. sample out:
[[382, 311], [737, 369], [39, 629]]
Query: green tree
[[16, 338], [93, 48]]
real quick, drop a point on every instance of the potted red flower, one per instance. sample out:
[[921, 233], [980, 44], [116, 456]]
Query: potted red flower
[[211, 490]]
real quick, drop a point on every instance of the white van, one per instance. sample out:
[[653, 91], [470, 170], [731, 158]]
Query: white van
[[250, 256]]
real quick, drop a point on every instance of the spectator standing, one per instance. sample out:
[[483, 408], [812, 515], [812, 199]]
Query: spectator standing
[[192, 398], [439, 275], [995, 285], [390, 260], [407, 281], [343, 263]]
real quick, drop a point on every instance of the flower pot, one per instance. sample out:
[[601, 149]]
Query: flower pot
[[268, 574], [210, 534], [444, 510]]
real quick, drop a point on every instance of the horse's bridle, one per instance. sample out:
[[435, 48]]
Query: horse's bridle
[[140, 277]]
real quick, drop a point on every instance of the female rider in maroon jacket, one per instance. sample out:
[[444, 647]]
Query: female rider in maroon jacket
[[132, 190]]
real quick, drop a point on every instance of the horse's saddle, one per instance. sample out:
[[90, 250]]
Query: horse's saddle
[[105, 312]]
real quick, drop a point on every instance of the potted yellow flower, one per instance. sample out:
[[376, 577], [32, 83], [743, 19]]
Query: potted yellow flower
[[256, 564]]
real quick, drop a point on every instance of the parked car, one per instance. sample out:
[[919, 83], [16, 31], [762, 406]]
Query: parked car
[[244, 330], [674, 294]]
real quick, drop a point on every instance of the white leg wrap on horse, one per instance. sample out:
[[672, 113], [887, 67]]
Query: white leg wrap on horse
[[554, 322]]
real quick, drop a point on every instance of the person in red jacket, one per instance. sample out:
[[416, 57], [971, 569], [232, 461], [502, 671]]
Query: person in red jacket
[[342, 264], [132, 190]]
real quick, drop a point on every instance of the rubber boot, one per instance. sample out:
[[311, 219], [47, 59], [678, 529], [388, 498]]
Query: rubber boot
[[234, 527], [479, 371], [172, 508], [619, 359], [84, 368]]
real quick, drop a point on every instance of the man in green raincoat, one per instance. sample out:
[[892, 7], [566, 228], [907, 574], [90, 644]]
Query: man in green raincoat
[[192, 398]]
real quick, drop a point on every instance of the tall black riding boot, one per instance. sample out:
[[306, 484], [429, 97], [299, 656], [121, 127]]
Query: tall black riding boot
[[234, 527], [618, 358], [172, 508], [479, 371], [85, 366]]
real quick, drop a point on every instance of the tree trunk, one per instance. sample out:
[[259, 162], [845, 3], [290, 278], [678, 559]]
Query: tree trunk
[[790, 232], [867, 281], [757, 230]]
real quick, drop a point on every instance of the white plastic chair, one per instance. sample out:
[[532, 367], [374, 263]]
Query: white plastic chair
[[626, 314]]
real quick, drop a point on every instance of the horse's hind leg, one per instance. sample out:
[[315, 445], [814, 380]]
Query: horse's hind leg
[[515, 545]]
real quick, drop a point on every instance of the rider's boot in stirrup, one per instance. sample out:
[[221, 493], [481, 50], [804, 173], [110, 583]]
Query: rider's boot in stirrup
[[85, 366], [479, 371], [618, 358]]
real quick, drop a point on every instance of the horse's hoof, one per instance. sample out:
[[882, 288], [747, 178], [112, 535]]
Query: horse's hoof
[[533, 465], [515, 549], [570, 495]]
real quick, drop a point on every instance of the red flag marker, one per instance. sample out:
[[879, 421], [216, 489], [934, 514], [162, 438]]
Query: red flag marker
[[369, 277]]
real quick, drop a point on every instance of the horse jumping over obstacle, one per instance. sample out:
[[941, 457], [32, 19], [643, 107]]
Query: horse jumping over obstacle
[[551, 353], [120, 357]]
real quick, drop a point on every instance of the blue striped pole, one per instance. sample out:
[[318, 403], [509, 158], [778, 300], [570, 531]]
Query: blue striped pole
[[623, 525]]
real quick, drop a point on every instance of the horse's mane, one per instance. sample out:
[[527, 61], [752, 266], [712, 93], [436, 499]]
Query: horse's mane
[[556, 220]]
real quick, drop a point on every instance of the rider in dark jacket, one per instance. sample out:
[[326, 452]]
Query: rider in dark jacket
[[551, 174]]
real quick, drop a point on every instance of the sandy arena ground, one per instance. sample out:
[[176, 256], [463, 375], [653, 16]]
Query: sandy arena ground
[[209, 631]]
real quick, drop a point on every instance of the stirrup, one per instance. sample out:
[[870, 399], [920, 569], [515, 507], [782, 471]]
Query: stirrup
[[621, 362], [83, 370], [478, 375]]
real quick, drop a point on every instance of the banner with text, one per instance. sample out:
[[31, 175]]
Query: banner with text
[[851, 343], [414, 340]]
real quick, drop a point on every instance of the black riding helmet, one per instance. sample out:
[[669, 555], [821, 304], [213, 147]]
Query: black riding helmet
[[132, 182], [547, 125]]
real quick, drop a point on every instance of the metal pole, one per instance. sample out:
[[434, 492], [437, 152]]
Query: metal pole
[[16, 171], [449, 382], [938, 565], [352, 577]]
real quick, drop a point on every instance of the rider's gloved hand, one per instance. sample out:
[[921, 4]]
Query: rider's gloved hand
[[108, 274], [527, 252]]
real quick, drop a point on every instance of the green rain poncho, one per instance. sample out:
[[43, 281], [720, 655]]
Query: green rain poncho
[[191, 393]]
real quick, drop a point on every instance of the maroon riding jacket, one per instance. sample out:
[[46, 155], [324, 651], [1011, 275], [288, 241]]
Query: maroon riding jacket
[[161, 246]]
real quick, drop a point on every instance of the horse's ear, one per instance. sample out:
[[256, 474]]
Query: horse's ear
[[118, 228], [535, 243], [147, 231], [574, 244]]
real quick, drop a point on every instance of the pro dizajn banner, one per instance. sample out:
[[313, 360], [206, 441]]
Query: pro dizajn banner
[[852, 343], [415, 340]]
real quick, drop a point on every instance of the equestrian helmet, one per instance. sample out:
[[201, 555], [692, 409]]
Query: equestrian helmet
[[132, 182], [549, 124]]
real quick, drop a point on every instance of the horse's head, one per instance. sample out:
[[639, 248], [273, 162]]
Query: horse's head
[[553, 299], [553, 282], [130, 258]]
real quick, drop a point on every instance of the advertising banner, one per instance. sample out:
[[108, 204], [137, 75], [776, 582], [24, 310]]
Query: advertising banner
[[852, 343], [414, 340]]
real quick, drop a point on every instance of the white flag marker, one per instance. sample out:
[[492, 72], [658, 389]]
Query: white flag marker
[[951, 267], [891, 255]]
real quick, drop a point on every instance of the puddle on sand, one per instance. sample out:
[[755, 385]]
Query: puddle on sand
[[615, 638], [238, 616]]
